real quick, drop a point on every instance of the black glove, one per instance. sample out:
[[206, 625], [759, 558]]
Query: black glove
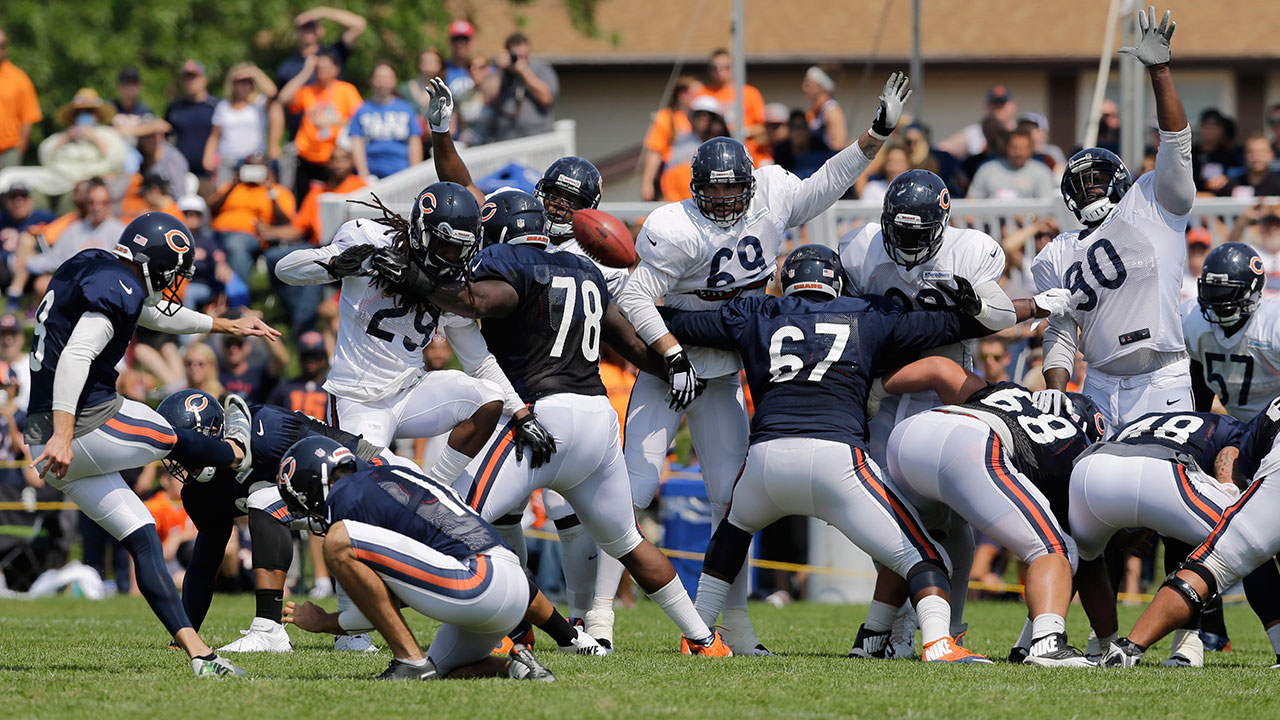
[[348, 262], [964, 296], [401, 275], [684, 380], [530, 434]]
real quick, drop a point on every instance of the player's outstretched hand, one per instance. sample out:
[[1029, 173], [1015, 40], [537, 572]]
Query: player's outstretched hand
[[1052, 402], [55, 459], [401, 276], [892, 100], [349, 262], [964, 296], [249, 326], [440, 107], [531, 436], [1055, 301], [1153, 46], [685, 383], [307, 616]]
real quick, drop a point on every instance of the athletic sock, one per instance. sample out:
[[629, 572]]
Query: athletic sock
[[675, 602], [512, 533], [1047, 624], [578, 553], [153, 578], [1273, 634], [449, 466], [559, 629], [1100, 645], [609, 572], [268, 603], [711, 592], [323, 584], [1024, 637], [412, 663], [879, 617], [736, 599], [935, 618]]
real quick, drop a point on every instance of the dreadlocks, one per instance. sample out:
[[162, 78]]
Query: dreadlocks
[[400, 244]]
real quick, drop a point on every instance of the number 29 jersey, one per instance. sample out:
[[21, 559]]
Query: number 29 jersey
[[1125, 277], [1243, 370]]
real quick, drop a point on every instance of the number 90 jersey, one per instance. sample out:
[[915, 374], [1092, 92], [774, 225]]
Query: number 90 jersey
[[1199, 435], [1125, 277], [1243, 370], [379, 348], [551, 342], [710, 265]]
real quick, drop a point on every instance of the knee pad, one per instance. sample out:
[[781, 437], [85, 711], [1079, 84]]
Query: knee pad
[[1195, 601], [725, 552], [926, 574], [272, 541]]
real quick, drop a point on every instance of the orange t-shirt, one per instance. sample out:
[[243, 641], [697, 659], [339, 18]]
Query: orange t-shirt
[[18, 104], [247, 205], [169, 515], [308, 218], [617, 383], [51, 230], [752, 110], [132, 204], [324, 112], [671, 135]]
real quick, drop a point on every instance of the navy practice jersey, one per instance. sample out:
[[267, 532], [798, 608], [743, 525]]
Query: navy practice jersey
[[273, 430], [414, 505], [1043, 446], [810, 363], [91, 281], [1259, 436], [1200, 435], [551, 343]]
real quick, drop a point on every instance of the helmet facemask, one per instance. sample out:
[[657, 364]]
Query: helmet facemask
[[560, 204], [724, 210], [1224, 301], [1093, 187], [909, 241]]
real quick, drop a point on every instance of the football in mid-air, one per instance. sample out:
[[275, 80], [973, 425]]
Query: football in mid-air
[[605, 238]]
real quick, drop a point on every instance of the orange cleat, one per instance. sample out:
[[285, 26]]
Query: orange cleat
[[717, 648], [947, 650]]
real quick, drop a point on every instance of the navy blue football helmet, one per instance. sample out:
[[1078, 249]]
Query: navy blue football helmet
[[1094, 182], [444, 228], [1230, 284], [307, 470], [813, 268], [722, 161], [569, 185], [515, 217], [192, 410], [917, 209], [160, 244], [1086, 416]]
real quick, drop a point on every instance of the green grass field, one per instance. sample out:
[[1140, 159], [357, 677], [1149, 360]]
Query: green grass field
[[64, 657]]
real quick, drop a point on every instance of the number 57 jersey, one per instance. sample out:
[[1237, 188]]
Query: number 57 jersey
[[1242, 369], [1125, 277]]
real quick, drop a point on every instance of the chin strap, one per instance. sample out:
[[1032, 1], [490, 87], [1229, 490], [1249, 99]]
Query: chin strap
[[1096, 211]]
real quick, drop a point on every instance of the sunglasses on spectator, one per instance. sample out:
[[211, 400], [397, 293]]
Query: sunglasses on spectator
[[195, 363], [993, 356]]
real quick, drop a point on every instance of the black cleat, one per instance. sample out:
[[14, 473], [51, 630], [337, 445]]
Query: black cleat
[[1052, 650], [869, 644], [403, 671]]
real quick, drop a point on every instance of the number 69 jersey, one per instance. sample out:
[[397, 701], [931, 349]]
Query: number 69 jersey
[[1125, 277], [1243, 369]]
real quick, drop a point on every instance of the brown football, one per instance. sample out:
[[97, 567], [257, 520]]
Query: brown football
[[605, 238]]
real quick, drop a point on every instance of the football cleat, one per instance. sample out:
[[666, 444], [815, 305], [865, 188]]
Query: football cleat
[[583, 644], [869, 644], [524, 666], [263, 635], [1176, 661], [1277, 665], [215, 667], [1052, 650], [1017, 655], [404, 671], [1122, 654], [235, 426], [713, 646], [354, 643], [1186, 650], [946, 650], [522, 635], [902, 638], [1214, 642], [740, 635], [599, 625]]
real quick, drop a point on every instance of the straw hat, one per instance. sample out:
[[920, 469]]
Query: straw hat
[[86, 99]]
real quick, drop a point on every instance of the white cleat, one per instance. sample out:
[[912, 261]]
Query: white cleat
[[599, 625], [1122, 654], [262, 636], [354, 643], [217, 667], [584, 644], [1052, 650], [740, 636], [235, 426]]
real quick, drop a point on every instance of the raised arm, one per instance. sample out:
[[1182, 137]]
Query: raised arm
[[449, 165]]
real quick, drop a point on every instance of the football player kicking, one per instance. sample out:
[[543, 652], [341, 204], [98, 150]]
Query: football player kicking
[[1246, 536], [1233, 338], [1171, 472], [1125, 269], [394, 537], [82, 433], [697, 255], [545, 315], [810, 357], [570, 184]]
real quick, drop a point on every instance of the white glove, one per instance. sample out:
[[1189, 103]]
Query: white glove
[[1056, 301], [440, 107], [1153, 46], [1052, 402], [892, 100], [875, 395]]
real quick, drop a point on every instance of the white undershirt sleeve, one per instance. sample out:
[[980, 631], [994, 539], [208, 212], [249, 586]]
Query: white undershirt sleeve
[[637, 299], [1175, 185], [1060, 340], [184, 322], [299, 267], [473, 353], [89, 338]]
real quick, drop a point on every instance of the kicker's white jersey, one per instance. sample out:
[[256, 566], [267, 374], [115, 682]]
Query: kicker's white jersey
[[379, 348], [966, 253], [1242, 370], [614, 278], [1125, 276], [711, 265]]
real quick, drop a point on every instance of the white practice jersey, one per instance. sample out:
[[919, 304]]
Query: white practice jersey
[[1242, 370], [614, 278], [1126, 275], [379, 348]]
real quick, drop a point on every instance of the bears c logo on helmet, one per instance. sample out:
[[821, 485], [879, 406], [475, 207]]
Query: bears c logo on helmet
[[178, 241], [487, 211], [428, 203], [944, 199], [1255, 264], [196, 403], [286, 469]]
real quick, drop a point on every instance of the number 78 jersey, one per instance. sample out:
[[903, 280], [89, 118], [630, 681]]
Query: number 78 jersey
[[1125, 277]]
